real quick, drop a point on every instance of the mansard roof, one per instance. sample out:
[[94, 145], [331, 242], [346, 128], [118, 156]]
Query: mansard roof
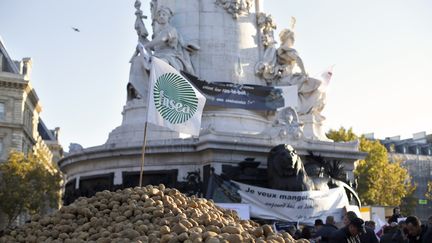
[[44, 132], [8, 64]]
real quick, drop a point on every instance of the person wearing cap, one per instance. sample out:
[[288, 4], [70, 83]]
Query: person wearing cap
[[417, 233], [350, 233], [368, 237]]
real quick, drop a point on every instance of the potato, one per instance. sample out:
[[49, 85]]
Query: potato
[[148, 214]]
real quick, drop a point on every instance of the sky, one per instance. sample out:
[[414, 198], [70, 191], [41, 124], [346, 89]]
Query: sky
[[381, 51]]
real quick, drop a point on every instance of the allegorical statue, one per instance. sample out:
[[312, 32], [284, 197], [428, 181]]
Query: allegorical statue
[[266, 67], [278, 64], [311, 97], [168, 45]]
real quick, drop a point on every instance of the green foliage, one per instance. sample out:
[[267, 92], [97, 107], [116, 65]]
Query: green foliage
[[380, 182], [28, 184], [342, 135], [428, 193]]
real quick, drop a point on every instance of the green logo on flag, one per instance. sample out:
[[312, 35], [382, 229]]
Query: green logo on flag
[[174, 98]]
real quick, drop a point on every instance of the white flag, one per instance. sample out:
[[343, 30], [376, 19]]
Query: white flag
[[174, 103], [326, 76]]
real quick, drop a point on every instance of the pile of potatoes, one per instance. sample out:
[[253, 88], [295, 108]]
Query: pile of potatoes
[[147, 214]]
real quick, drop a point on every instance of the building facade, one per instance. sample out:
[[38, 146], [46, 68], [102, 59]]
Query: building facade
[[21, 128]]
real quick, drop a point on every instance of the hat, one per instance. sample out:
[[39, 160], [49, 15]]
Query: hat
[[359, 224]]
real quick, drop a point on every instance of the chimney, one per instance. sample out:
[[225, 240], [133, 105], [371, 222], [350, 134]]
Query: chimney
[[57, 132], [26, 67]]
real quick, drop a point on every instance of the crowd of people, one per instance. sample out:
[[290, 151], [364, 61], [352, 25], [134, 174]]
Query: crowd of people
[[355, 230]]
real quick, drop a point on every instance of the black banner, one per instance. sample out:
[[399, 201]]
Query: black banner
[[244, 96]]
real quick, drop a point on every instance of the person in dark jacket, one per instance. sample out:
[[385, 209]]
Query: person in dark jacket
[[349, 233], [389, 231], [326, 230], [368, 236], [395, 216], [401, 235], [417, 233]]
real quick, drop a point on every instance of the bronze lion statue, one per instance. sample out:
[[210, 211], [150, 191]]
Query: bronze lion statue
[[286, 170]]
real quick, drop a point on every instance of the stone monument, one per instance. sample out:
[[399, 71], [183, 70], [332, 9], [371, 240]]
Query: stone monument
[[228, 44]]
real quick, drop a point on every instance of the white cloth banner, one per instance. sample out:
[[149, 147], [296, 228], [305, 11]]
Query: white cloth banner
[[174, 103], [304, 206]]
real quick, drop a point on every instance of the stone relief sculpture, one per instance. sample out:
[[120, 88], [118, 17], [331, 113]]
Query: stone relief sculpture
[[235, 7], [288, 122], [168, 45]]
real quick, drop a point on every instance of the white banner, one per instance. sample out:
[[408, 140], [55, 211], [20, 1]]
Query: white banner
[[173, 102], [304, 206]]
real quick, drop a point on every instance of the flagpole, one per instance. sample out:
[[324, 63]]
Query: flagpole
[[147, 58], [143, 154]]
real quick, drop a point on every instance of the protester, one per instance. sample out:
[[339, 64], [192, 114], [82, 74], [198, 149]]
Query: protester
[[318, 224], [367, 237], [388, 232], [323, 234], [395, 216], [349, 233], [401, 235], [370, 224], [417, 233], [306, 233]]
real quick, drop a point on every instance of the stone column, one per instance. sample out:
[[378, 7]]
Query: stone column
[[228, 53]]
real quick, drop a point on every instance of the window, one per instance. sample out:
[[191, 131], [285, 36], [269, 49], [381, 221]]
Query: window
[[2, 111]]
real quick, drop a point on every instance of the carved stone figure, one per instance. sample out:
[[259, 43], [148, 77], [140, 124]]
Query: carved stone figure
[[235, 7], [277, 67], [266, 67], [140, 27], [168, 44], [286, 170], [288, 120], [311, 97], [75, 148]]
